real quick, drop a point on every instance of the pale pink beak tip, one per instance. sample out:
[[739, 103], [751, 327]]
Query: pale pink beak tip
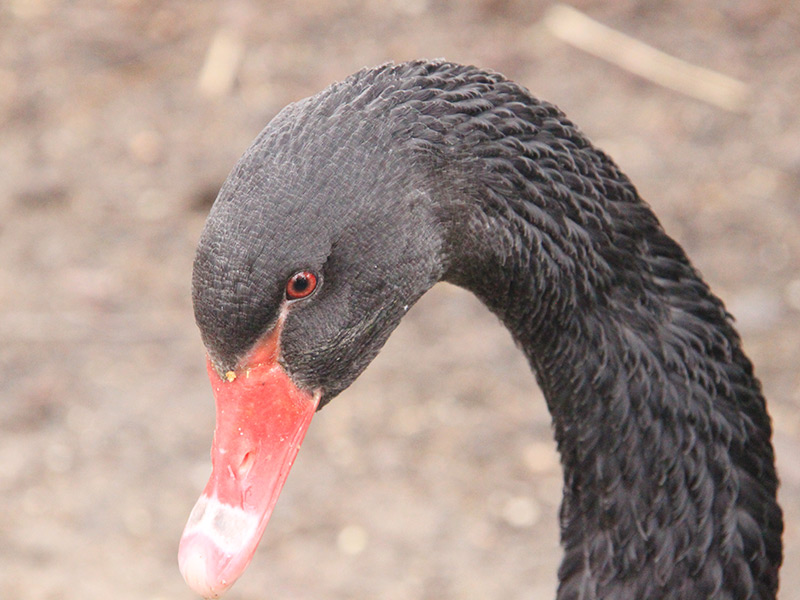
[[194, 565], [217, 545]]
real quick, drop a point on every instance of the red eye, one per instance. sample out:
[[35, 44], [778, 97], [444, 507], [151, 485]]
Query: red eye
[[300, 285]]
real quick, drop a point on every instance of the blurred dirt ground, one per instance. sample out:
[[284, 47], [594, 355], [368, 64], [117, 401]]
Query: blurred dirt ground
[[435, 476]]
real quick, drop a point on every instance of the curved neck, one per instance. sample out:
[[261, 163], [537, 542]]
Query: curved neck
[[662, 430]]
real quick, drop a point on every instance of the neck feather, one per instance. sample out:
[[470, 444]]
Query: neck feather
[[662, 429]]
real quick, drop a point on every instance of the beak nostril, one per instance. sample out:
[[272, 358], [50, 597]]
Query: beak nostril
[[247, 462]]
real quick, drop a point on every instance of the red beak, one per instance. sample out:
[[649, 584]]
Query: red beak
[[262, 417]]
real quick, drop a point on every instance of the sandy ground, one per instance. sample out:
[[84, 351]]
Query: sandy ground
[[435, 475]]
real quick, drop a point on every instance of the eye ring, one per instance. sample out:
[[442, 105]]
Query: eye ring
[[301, 285]]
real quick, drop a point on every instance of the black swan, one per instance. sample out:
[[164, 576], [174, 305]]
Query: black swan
[[351, 204]]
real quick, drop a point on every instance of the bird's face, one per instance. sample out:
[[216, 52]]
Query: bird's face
[[329, 272], [301, 274]]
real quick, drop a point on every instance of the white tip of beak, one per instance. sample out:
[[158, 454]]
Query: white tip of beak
[[216, 546]]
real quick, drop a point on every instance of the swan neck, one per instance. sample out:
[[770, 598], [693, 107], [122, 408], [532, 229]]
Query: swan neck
[[669, 474]]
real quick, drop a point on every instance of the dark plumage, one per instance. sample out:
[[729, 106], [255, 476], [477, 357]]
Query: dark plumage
[[405, 175]]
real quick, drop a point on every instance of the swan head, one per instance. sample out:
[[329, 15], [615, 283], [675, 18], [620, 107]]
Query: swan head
[[315, 248]]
